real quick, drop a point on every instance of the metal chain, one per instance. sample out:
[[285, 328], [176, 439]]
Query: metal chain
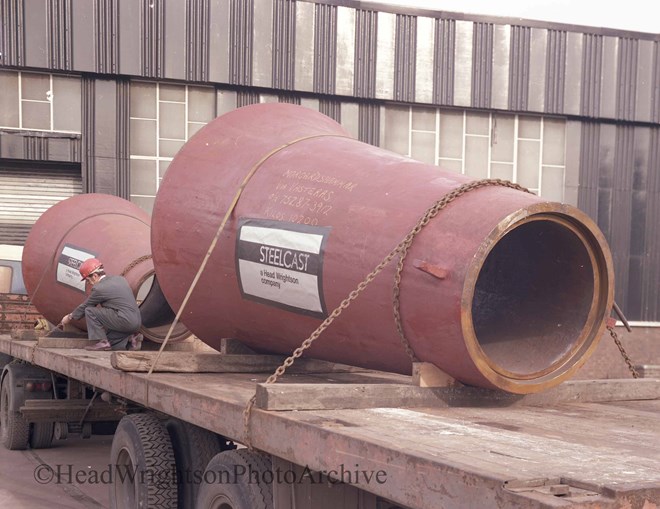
[[135, 263], [401, 249], [426, 218], [624, 354]]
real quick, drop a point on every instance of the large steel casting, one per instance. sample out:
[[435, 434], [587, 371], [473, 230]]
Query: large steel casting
[[502, 289], [94, 225]]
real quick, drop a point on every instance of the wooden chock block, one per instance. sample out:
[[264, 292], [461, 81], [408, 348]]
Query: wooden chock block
[[27, 334], [426, 374], [231, 346]]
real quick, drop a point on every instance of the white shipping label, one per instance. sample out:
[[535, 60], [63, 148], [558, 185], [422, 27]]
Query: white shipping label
[[281, 264], [68, 264]]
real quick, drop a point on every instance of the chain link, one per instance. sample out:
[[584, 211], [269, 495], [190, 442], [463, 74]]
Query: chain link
[[401, 249], [623, 352]]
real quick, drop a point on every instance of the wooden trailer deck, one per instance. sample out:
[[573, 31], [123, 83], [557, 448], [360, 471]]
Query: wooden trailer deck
[[583, 444]]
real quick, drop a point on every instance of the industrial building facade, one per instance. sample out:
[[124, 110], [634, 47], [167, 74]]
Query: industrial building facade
[[98, 96]]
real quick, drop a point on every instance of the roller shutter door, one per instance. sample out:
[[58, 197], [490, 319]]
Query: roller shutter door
[[27, 192]]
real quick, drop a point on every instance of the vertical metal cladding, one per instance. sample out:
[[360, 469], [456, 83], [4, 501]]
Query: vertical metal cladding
[[93, 225], [443, 61], [501, 289]]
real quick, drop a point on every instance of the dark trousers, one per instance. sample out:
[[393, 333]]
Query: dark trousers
[[103, 323]]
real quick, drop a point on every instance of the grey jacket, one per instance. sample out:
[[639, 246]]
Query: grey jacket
[[113, 292]]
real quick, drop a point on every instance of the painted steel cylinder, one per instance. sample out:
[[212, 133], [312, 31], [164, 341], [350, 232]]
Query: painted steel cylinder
[[502, 289], [94, 225]]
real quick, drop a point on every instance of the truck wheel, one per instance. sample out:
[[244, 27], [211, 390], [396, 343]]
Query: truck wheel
[[14, 429], [239, 479], [41, 436], [4, 360], [194, 448], [143, 459]]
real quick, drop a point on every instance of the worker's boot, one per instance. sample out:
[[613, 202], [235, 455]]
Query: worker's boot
[[135, 342], [102, 345]]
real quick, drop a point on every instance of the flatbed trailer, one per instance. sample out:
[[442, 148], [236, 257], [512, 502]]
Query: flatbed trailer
[[592, 444]]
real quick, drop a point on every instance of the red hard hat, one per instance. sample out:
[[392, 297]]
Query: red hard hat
[[90, 266]]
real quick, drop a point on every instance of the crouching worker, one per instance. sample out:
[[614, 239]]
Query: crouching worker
[[111, 312]]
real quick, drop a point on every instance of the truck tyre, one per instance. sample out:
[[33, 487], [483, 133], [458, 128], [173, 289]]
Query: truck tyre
[[14, 429], [194, 448], [239, 479], [41, 436], [143, 461]]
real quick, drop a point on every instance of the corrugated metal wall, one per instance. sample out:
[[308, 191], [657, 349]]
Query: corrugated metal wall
[[620, 187], [337, 49], [606, 82], [26, 192]]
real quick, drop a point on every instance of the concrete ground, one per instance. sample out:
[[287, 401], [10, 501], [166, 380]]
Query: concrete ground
[[69, 475]]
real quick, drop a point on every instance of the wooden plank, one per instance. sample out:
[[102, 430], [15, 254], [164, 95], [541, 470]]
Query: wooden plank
[[353, 396], [70, 410], [185, 362], [648, 371], [188, 362], [54, 342]]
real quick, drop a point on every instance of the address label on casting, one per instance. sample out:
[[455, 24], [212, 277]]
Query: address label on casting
[[68, 264], [281, 264]]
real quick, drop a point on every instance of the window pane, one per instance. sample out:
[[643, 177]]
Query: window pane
[[423, 147], [451, 134], [172, 122], [143, 137], [35, 86], [451, 165], [36, 115], [476, 156], [529, 127], [528, 163], [502, 138], [66, 104], [226, 101], [201, 104], [143, 99], [501, 171], [554, 142], [163, 165], [423, 119], [350, 118], [145, 203], [172, 93], [552, 186], [143, 177], [169, 148], [193, 127], [396, 129], [477, 123], [9, 99]]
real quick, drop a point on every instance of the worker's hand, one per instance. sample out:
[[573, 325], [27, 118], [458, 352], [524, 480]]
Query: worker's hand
[[66, 319]]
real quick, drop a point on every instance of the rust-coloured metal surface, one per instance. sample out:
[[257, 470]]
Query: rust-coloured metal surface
[[92, 225], [512, 291]]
